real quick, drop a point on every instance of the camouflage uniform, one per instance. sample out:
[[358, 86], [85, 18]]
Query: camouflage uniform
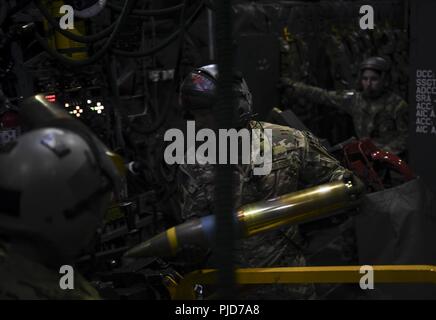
[[384, 120], [299, 161], [21, 278]]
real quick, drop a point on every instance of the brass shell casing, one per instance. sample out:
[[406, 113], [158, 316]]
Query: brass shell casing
[[300, 206]]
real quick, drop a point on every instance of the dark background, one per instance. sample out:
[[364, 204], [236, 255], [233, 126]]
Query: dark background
[[422, 56]]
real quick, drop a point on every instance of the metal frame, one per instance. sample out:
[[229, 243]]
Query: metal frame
[[184, 290]]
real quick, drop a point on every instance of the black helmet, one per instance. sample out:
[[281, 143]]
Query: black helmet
[[375, 63], [53, 192], [199, 91]]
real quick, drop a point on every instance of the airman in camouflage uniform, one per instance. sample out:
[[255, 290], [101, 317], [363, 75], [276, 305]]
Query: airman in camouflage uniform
[[377, 113], [26, 279], [50, 212], [298, 161]]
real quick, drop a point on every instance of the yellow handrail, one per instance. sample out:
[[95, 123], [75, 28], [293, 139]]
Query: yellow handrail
[[335, 274]]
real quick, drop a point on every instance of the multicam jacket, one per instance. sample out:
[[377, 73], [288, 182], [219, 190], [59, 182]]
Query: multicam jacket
[[23, 279], [298, 161], [384, 120]]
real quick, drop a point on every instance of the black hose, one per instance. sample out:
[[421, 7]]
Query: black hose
[[80, 63], [116, 105], [224, 206], [149, 12], [167, 105], [165, 42], [3, 12], [18, 7], [82, 39]]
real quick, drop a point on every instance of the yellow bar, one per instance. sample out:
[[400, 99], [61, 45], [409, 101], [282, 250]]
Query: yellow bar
[[336, 274]]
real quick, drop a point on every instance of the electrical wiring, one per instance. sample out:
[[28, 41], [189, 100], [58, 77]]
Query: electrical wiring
[[164, 112], [79, 63], [165, 42], [20, 6], [102, 51], [105, 32], [82, 39], [149, 12]]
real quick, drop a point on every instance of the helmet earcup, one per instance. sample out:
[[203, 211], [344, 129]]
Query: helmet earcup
[[62, 194], [199, 91]]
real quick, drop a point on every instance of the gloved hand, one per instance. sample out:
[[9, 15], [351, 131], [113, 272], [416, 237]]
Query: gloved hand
[[357, 183], [285, 84]]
